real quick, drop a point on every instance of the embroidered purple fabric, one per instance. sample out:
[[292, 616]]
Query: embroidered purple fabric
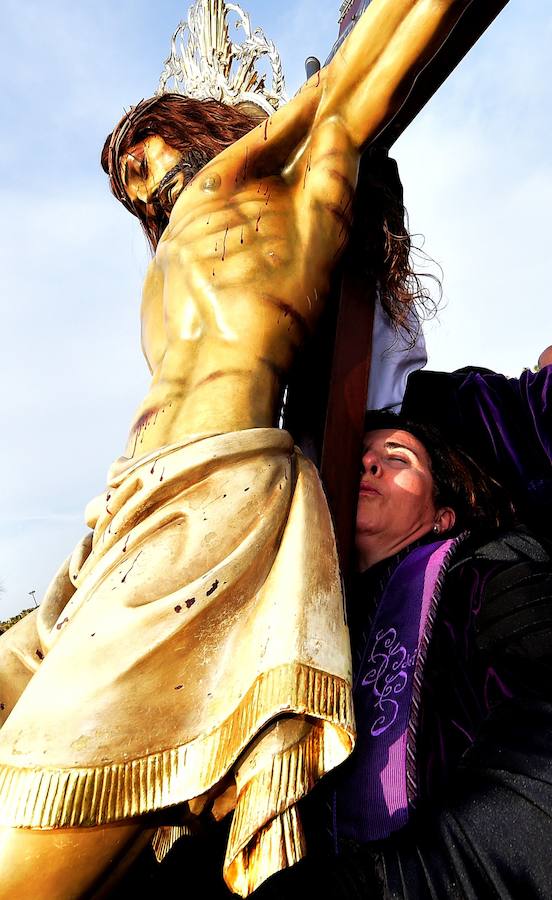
[[371, 798]]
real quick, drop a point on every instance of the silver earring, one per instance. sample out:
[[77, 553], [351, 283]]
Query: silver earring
[[436, 528]]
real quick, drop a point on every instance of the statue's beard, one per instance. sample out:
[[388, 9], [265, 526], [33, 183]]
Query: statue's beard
[[171, 186]]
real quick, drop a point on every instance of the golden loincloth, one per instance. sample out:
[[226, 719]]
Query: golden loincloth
[[207, 612]]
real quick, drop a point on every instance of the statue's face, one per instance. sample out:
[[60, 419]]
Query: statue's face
[[152, 174]]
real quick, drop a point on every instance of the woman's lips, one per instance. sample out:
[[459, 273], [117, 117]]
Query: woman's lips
[[368, 489]]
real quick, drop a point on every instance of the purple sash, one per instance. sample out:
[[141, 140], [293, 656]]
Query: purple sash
[[378, 783]]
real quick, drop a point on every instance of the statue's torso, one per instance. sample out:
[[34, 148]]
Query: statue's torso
[[238, 282]]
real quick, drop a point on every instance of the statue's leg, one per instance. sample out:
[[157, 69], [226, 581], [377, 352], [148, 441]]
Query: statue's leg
[[66, 863], [20, 655]]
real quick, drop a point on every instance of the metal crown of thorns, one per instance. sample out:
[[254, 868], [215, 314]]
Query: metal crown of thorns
[[211, 66]]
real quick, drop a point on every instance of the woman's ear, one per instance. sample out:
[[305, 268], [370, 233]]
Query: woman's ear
[[444, 519]]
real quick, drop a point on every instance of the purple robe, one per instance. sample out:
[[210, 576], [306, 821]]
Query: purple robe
[[504, 423]]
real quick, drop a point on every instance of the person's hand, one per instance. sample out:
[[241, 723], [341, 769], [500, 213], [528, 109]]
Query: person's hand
[[545, 359]]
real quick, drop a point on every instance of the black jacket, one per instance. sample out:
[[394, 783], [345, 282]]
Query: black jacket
[[483, 826]]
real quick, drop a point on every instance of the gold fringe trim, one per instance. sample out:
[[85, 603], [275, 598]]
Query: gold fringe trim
[[54, 798], [266, 833], [166, 837], [277, 845]]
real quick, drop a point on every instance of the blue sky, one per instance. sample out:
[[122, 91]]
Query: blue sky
[[478, 184]]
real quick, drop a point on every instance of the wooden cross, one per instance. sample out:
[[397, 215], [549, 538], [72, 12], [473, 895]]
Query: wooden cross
[[327, 400]]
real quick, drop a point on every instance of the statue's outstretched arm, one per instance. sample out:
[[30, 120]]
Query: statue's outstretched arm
[[375, 68]]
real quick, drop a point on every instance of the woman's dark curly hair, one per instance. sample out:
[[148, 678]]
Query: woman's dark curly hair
[[478, 500]]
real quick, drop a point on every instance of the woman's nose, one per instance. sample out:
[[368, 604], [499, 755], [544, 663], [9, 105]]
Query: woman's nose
[[371, 463]]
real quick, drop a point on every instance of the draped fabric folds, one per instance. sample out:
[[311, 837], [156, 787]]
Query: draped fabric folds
[[199, 636]]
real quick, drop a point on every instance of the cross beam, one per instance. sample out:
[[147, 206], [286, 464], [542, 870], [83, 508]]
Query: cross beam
[[347, 387]]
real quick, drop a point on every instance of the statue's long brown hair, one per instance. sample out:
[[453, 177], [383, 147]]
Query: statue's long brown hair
[[201, 129], [381, 222]]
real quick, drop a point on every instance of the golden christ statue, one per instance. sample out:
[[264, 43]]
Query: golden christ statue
[[191, 657]]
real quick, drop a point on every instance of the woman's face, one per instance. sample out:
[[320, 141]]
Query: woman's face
[[395, 504]]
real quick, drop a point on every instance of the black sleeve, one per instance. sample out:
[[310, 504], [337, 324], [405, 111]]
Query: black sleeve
[[491, 835]]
